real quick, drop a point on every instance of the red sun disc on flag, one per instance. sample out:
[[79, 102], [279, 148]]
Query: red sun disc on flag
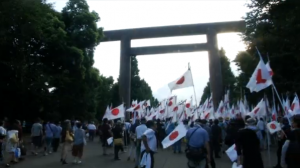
[[188, 105], [173, 135], [133, 105], [180, 81], [273, 126], [170, 103], [293, 106], [137, 107], [256, 110], [175, 108], [259, 77], [161, 111], [115, 112]]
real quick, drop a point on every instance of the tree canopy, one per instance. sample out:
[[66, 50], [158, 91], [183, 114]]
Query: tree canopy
[[47, 60]]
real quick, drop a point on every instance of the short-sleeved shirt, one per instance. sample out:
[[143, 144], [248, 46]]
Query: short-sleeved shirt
[[36, 129], [199, 137], [140, 131], [151, 139]]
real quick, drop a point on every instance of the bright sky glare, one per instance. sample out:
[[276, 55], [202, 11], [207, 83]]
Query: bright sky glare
[[159, 70]]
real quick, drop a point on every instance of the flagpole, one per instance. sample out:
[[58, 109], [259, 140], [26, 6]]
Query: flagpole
[[189, 68]]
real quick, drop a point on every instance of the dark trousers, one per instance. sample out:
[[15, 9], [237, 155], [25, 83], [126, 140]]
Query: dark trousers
[[92, 135], [280, 144], [126, 138], [212, 160], [117, 148], [151, 156], [1, 154], [55, 144]]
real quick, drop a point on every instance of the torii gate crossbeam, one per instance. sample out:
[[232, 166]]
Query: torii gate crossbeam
[[209, 29]]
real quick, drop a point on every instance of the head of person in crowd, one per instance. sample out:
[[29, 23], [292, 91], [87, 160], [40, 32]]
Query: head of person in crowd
[[143, 120], [137, 122], [105, 121], [151, 124], [158, 121], [239, 123], [78, 124], [216, 121], [251, 122], [220, 119], [185, 122], [197, 122], [285, 121], [247, 117], [261, 119], [203, 122]]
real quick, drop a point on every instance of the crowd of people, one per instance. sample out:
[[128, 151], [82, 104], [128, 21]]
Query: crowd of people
[[204, 142]]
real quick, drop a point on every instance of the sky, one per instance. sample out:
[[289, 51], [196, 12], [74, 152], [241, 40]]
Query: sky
[[159, 70]]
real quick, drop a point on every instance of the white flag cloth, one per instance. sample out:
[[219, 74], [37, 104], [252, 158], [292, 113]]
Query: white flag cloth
[[273, 127], [109, 140], [146, 160], [260, 78], [231, 153], [235, 165], [186, 80], [178, 133]]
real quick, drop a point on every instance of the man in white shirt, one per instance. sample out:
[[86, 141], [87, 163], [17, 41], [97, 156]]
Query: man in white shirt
[[139, 130], [92, 131], [149, 142]]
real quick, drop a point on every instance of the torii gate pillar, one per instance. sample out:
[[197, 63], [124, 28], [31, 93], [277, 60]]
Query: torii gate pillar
[[209, 29], [214, 68], [125, 71]]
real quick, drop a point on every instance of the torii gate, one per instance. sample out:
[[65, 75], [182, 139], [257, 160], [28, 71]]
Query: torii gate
[[209, 29]]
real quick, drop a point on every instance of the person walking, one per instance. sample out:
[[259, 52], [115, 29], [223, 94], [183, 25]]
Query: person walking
[[149, 142], [248, 146], [78, 145], [198, 147], [139, 132], [36, 136], [118, 139], [67, 138], [56, 137], [92, 130]]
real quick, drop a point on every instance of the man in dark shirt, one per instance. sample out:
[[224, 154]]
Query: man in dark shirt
[[117, 135], [248, 146], [216, 138], [106, 133]]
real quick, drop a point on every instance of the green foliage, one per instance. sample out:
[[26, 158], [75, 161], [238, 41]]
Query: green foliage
[[140, 90], [47, 62], [273, 27], [228, 79]]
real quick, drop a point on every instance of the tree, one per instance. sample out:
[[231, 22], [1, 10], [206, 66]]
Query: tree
[[228, 79], [273, 26], [140, 90]]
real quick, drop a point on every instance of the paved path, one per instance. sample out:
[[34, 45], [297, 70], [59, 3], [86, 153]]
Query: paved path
[[93, 159]]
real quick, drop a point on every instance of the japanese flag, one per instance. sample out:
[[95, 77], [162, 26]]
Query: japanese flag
[[184, 81], [231, 153], [273, 127], [117, 112], [178, 133]]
